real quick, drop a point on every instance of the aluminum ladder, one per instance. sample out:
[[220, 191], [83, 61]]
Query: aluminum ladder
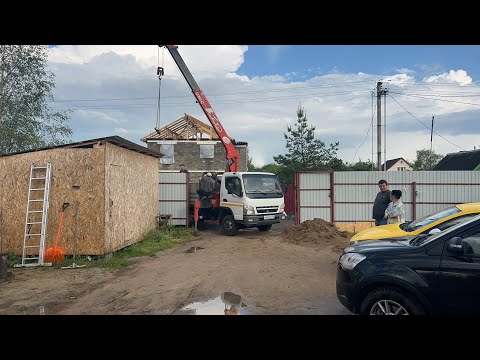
[[35, 227]]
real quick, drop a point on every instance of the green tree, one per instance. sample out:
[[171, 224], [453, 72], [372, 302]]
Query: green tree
[[304, 151], [361, 166], [426, 160], [26, 119], [250, 165]]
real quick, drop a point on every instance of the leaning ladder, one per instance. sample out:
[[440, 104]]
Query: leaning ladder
[[35, 228]]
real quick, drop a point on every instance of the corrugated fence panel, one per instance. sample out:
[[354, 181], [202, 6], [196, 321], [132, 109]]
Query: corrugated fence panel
[[314, 213], [314, 196], [355, 191], [427, 209], [313, 180], [350, 213], [174, 196]]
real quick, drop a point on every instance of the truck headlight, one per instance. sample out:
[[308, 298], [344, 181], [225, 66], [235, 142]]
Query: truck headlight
[[282, 207], [248, 210], [349, 260]]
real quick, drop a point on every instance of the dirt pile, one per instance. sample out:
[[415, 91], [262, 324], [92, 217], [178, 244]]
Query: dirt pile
[[316, 232]]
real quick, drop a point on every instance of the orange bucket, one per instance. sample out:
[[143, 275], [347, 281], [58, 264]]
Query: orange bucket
[[56, 254]]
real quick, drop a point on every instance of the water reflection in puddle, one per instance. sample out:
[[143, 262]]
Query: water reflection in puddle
[[226, 304]]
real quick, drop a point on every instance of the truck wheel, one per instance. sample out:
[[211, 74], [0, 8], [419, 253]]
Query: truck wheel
[[264, 227], [387, 301], [229, 225]]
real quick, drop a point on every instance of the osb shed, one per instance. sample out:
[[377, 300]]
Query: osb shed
[[194, 143], [113, 181]]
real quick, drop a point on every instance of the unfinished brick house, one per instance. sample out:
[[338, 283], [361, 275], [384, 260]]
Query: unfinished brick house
[[192, 142]]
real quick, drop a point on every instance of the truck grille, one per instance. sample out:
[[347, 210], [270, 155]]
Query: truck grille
[[267, 209]]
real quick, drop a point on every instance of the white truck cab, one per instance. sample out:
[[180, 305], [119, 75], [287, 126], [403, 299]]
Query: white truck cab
[[250, 199]]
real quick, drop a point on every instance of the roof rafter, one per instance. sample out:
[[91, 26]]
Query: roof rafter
[[185, 128]]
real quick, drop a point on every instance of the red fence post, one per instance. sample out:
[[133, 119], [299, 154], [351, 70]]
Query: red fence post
[[414, 201], [297, 198], [332, 198]]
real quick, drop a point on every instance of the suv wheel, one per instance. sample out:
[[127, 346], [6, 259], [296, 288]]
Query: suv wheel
[[389, 302]]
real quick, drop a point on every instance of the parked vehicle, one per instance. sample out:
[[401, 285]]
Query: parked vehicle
[[426, 274], [440, 220]]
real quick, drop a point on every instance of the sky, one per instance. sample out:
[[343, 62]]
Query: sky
[[256, 90]]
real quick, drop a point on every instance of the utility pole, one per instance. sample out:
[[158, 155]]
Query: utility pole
[[381, 91], [379, 125], [431, 134], [385, 130]]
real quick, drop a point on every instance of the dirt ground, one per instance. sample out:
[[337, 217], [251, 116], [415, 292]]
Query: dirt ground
[[290, 269]]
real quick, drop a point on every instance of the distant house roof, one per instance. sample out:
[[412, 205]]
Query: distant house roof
[[185, 128], [392, 162], [463, 160], [115, 140]]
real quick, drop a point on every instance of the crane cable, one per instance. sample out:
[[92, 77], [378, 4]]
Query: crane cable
[[160, 73]]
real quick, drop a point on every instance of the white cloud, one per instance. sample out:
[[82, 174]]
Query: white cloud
[[400, 79], [203, 60], [405, 71], [232, 75], [121, 87], [121, 131], [456, 76]]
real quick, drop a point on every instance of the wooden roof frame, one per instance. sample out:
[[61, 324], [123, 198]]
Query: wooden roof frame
[[185, 128]]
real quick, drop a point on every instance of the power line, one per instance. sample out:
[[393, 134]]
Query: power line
[[425, 97], [227, 101], [220, 94], [366, 136], [437, 84], [424, 123], [463, 94]]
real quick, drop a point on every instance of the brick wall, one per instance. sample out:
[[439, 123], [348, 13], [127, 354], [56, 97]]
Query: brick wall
[[188, 153]]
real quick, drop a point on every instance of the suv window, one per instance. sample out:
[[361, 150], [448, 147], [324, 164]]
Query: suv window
[[471, 241]]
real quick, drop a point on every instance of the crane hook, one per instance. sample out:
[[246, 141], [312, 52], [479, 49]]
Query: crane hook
[[160, 72]]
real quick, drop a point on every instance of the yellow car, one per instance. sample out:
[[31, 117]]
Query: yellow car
[[435, 222]]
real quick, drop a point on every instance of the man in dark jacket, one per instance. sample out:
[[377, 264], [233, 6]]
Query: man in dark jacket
[[381, 202]]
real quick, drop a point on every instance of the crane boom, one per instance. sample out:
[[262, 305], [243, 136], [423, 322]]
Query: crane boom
[[232, 155]]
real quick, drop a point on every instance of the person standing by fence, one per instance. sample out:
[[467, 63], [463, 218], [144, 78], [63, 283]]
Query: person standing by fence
[[381, 202], [394, 212]]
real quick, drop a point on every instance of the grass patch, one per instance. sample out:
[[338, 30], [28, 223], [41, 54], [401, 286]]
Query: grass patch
[[154, 241], [13, 259]]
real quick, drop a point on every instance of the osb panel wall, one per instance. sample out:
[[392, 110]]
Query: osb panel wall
[[131, 200], [77, 178]]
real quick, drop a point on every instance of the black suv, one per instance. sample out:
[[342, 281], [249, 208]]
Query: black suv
[[427, 274]]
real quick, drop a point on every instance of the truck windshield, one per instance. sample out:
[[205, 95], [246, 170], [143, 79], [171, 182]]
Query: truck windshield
[[260, 186]]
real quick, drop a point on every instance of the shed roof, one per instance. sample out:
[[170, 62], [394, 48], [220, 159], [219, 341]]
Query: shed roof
[[115, 140]]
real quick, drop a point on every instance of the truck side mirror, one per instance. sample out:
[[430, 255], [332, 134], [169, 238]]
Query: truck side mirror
[[454, 245]]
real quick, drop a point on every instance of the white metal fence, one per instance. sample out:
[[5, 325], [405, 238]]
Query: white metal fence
[[174, 196], [348, 196]]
